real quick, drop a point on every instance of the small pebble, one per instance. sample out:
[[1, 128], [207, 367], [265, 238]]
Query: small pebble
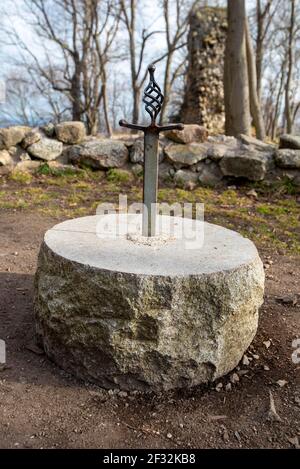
[[219, 387], [246, 360], [281, 382], [234, 378]]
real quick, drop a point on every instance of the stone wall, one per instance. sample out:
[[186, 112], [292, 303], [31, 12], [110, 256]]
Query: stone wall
[[187, 158], [204, 96]]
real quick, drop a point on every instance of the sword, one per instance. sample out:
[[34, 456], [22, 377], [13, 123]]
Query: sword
[[153, 99]]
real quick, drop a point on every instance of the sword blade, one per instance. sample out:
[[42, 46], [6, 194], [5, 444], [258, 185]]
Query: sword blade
[[150, 182]]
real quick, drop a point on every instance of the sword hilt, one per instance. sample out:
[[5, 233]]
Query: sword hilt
[[153, 99], [152, 127], [124, 123]]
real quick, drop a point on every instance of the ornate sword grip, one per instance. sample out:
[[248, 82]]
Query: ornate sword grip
[[153, 97]]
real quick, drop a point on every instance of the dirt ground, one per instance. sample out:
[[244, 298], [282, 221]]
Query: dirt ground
[[42, 407]]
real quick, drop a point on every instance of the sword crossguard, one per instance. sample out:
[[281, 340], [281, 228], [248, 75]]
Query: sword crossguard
[[152, 127]]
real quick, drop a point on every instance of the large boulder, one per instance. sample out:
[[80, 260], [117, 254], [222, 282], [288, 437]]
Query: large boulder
[[99, 154], [31, 137], [246, 163], [18, 154], [165, 171], [136, 151], [219, 146], [122, 312], [5, 158], [26, 166], [70, 132], [49, 129], [190, 133], [256, 144], [286, 158], [289, 141], [46, 149], [186, 155], [186, 179], [11, 136], [210, 174]]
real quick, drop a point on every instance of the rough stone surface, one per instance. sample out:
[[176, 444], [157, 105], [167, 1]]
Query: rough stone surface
[[12, 136], [99, 154], [210, 174], [256, 144], [290, 141], [191, 133], [165, 171], [5, 158], [247, 163], [186, 155], [286, 158], [31, 137], [49, 129], [46, 149], [132, 316], [70, 132], [136, 152], [203, 101], [18, 154], [186, 178], [27, 165], [137, 170]]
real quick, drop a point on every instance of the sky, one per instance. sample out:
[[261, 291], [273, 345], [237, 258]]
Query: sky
[[12, 16]]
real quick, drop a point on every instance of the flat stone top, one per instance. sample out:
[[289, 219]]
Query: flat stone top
[[106, 242]]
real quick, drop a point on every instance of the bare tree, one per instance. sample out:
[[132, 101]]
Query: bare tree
[[290, 65], [236, 83], [77, 38], [255, 107], [176, 14], [264, 17], [136, 52]]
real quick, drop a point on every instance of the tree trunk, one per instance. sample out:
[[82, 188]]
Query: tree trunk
[[94, 125], [259, 48], [236, 87], [288, 110], [255, 107], [278, 102], [166, 88], [76, 93], [105, 108], [136, 105]]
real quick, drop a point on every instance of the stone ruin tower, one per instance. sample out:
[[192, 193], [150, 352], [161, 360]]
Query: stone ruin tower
[[204, 94]]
